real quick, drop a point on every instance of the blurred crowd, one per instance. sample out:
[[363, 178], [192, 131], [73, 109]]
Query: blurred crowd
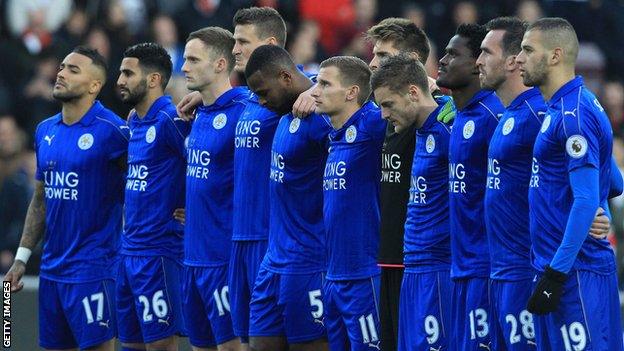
[[35, 35]]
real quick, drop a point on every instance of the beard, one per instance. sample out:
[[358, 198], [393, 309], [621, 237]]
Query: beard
[[136, 95], [66, 96], [537, 76]]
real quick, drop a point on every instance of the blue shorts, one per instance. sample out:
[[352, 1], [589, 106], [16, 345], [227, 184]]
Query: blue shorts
[[206, 306], [588, 317], [352, 314], [470, 320], [243, 270], [424, 311], [149, 304], [511, 325], [76, 314], [288, 305]]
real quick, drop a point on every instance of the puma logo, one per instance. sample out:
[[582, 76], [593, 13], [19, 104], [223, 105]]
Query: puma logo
[[573, 113], [164, 321], [547, 293], [376, 345], [431, 348], [541, 113], [178, 119], [104, 324], [319, 321], [531, 342], [48, 139], [487, 347]]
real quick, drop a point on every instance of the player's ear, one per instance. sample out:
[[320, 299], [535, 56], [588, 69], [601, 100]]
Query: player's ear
[[221, 65], [556, 55], [271, 41], [154, 80], [285, 77], [95, 86], [510, 63], [414, 93], [352, 93]]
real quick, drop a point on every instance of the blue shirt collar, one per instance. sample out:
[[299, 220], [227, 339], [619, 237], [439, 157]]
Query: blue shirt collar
[[225, 98], [88, 117], [480, 95], [573, 84], [433, 117], [157, 105], [369, 105], [520, 99]]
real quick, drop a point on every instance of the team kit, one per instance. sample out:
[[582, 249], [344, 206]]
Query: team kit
[[366, 207]]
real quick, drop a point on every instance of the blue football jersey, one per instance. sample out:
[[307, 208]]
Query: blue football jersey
[[296, 231], [155, 182], [79, 166], [468, 148], [210, 180], [507, 187], [351, 195], [252, 158], [427, 240], [575, 133]]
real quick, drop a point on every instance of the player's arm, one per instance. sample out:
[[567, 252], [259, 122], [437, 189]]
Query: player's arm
[[602, 222], [304, 105], [584, 182], [34, 227], [186, 107], [616, 184]]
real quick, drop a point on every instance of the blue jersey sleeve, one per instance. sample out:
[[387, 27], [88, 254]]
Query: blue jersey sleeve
[[581, 134], [177, 130], [38, 171], [584, 182], [321, 127], [616, 183], [118, 143]]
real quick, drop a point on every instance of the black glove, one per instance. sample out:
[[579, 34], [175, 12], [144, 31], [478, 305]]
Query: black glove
[[545, 298]]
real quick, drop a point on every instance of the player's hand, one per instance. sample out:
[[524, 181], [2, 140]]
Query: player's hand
[[547, 293], [180, 215], [186, 107], [15, 274], [447, 113], [304, 104], [600, 226]]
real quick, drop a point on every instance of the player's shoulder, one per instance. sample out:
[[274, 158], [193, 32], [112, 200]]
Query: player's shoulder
[[109, 122], [491, 106]]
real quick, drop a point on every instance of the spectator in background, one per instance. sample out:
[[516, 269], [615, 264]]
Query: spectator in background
[[529, 11], [335, 19], [304, 46], [48, 15], [37, 94], [616, 206], [165, 33], [16, 172], [365, 14], [612, 100], [72, 32], [416, 14]]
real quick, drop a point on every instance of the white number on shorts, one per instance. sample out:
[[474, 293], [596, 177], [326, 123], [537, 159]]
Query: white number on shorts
[[481, 329], [574, 334], [513, 336], [222, 300], [315, 301], [526, 319], [159, 305], [369, 334], [99, 297], [432, 328]]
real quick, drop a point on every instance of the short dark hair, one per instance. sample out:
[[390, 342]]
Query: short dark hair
[[152, 58], [268, 59], [559, 32], [514, 31], [353, 71], [475, 34], [219, 40], [267, 21], [97, 59], [405, 35], [399, 71]]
